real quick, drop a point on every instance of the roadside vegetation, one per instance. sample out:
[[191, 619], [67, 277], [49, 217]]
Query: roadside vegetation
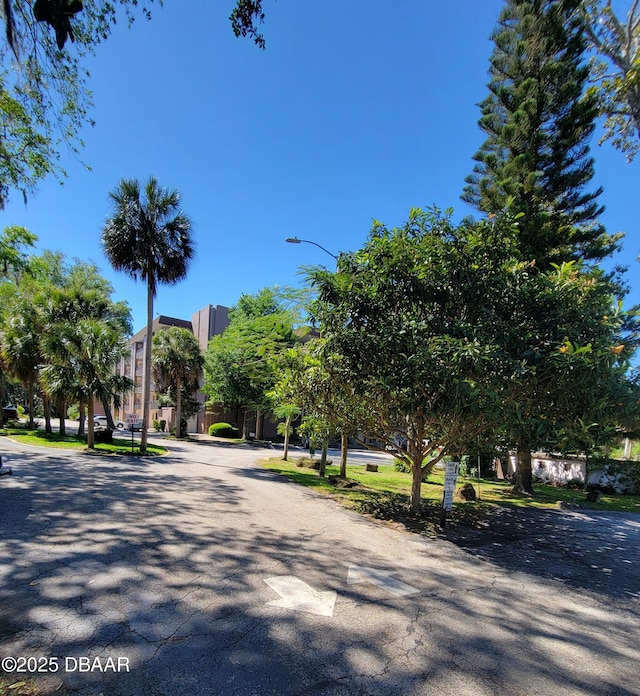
[[41, 438], [385, 494]]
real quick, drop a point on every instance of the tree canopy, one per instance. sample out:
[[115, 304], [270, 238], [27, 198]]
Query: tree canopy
[[241, 364], [45, 100], [615, 70], [538, 123], [176, 364], [148, 236], [444, 334]]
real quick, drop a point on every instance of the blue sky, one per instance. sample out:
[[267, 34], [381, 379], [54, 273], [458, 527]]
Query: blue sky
[[356, 110]]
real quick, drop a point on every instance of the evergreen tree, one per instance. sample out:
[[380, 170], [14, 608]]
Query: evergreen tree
[[538, 122]]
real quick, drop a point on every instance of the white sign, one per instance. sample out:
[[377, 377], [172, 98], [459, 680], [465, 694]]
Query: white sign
[[448, 500], [132, 418], [451, 470]]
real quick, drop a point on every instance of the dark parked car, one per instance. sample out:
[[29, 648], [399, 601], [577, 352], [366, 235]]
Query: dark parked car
[[10, 412]]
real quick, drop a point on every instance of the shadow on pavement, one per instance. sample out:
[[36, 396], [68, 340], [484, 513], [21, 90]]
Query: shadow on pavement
[[103, 559], [588, 550]]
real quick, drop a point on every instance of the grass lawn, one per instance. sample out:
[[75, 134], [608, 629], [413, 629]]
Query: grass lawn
[[385, 494], [120, 445]]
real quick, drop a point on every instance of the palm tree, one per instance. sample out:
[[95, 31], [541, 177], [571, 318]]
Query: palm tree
[[148, 237], [21, 347], [177, 364], [288, 411], [82, 357]]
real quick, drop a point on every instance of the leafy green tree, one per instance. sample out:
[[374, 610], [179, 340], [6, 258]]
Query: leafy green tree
[[538, 122], [241, 364], [13, 256], [148, 236], [176, 363], [445, 336], [328, 403], [616, 71], [84, 294], [407, 324], [571, 345], [535, 161], [244, 17], [21, 346], [13, 261], [288, 412], [45, 101]]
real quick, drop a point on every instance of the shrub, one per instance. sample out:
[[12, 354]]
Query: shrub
[[402, 466], [155, 424], [467, 492], [223, 430], [574, 484], [104, 436]]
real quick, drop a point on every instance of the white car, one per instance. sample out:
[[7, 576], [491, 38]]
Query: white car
[[100, 422]]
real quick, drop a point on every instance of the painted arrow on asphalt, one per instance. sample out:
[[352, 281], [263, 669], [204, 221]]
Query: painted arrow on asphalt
[[296, 594], [381, 578]]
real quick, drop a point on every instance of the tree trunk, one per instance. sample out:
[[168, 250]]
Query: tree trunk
[[244, 425], [323, 457], [287, 425], [47, 415], [90, 425], [146, 392], [524, 473], [81, 415], [178, 408], [63, 413], [258, 424], [344, 446], [108, 413], [416, 483], [32, 382]]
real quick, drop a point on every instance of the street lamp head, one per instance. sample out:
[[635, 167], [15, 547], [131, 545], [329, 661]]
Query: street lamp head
[[296, 240]]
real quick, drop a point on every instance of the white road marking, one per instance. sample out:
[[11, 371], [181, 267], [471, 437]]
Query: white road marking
[[381, 578], [299, 596]]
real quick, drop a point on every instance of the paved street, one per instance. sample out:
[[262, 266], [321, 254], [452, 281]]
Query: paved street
[[201, 573]]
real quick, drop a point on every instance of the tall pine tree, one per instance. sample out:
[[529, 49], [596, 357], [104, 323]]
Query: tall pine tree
[[539, 118], [538, 123]]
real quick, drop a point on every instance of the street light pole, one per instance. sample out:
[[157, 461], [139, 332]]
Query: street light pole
[[295, 240], [344, 438]]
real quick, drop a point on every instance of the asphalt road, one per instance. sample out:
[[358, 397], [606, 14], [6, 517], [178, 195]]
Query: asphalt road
[[201, 573]]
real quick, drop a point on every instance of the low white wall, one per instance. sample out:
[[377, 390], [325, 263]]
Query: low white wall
[[554, 470]]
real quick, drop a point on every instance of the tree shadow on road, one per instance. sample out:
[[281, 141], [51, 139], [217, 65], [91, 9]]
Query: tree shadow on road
[[112, 560]]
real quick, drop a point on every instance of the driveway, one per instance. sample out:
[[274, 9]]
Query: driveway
[[201, 573]]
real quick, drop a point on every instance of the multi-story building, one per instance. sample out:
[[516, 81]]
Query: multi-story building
[[204, 324]]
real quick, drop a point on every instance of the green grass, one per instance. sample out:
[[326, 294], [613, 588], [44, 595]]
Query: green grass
[[391, 488], [120, 445], [618, 452]]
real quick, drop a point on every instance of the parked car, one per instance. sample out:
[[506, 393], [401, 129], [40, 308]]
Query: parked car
[[100, 422], [10, 412]]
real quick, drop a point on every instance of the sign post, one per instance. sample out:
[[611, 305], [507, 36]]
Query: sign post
[[451, 470], [131, 419]]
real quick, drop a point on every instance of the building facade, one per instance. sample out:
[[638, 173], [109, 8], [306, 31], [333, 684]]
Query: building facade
[[205, 323]]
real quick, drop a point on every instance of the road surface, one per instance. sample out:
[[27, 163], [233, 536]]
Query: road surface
[[201, 573]]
